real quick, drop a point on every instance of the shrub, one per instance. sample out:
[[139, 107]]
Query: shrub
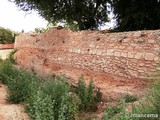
[[20, 83], [86, 95], [129, 98], [115, 112], [54, 101], [7, 72], [49, 99], [41, 107]]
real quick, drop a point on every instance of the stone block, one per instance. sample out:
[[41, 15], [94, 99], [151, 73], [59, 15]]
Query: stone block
[[137, 34], [151, 41], [131, 54], [149, 56], [140, 40], [117, 54], [138, 55], [157, 59], [110, 52], [124, 54], [99, 52]]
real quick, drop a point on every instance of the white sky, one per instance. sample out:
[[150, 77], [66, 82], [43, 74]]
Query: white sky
[[11, 17]]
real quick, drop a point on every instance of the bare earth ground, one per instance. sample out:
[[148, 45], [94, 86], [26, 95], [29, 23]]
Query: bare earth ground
[[112, 87], [10, 111]]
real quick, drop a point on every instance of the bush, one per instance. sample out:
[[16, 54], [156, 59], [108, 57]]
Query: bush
[[7, 36], [7, 72], [52, 102], [86, 95], [40, 107], [49, 99], [20, 83]]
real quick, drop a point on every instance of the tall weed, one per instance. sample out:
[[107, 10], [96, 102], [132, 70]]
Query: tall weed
[[54, 98], [20, 83], [86, 95]]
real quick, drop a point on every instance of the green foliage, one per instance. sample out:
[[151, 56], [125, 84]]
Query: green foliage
[[49, 99], [129, 98], [115, 112], [148, 106], [72, 26], [6, 70], [11, 56], [40, 107], [86, 95], [87, 14], [152, 103], [19, 83], [136, 14], [98, 95], [40, 30], [52, 102], [7, 36], [111, 112]]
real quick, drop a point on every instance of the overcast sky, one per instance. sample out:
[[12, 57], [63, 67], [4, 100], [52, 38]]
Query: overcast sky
[[13, 18]]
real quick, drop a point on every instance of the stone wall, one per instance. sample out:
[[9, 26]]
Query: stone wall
[[126, 54]]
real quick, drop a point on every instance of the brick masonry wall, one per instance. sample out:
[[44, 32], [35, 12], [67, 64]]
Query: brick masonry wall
[[126, 54]]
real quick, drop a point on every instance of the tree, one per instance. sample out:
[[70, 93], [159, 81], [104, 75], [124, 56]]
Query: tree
[[136, 14], [87, 14]]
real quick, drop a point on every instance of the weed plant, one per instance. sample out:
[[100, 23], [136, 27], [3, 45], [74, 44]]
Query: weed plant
[[86, 95], [130, 98], [150, 106], [20, 84], [49, 99]]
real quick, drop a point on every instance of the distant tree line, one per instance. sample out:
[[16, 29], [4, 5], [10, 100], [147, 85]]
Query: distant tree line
[[7, 36]]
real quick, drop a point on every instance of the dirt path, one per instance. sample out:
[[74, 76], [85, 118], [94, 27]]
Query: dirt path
[[10, 111]]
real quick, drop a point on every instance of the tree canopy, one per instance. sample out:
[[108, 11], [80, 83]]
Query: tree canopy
[[136, 14], [90, 14], [87, 14]]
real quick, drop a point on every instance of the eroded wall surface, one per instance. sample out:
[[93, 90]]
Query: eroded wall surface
[[126, 54]]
